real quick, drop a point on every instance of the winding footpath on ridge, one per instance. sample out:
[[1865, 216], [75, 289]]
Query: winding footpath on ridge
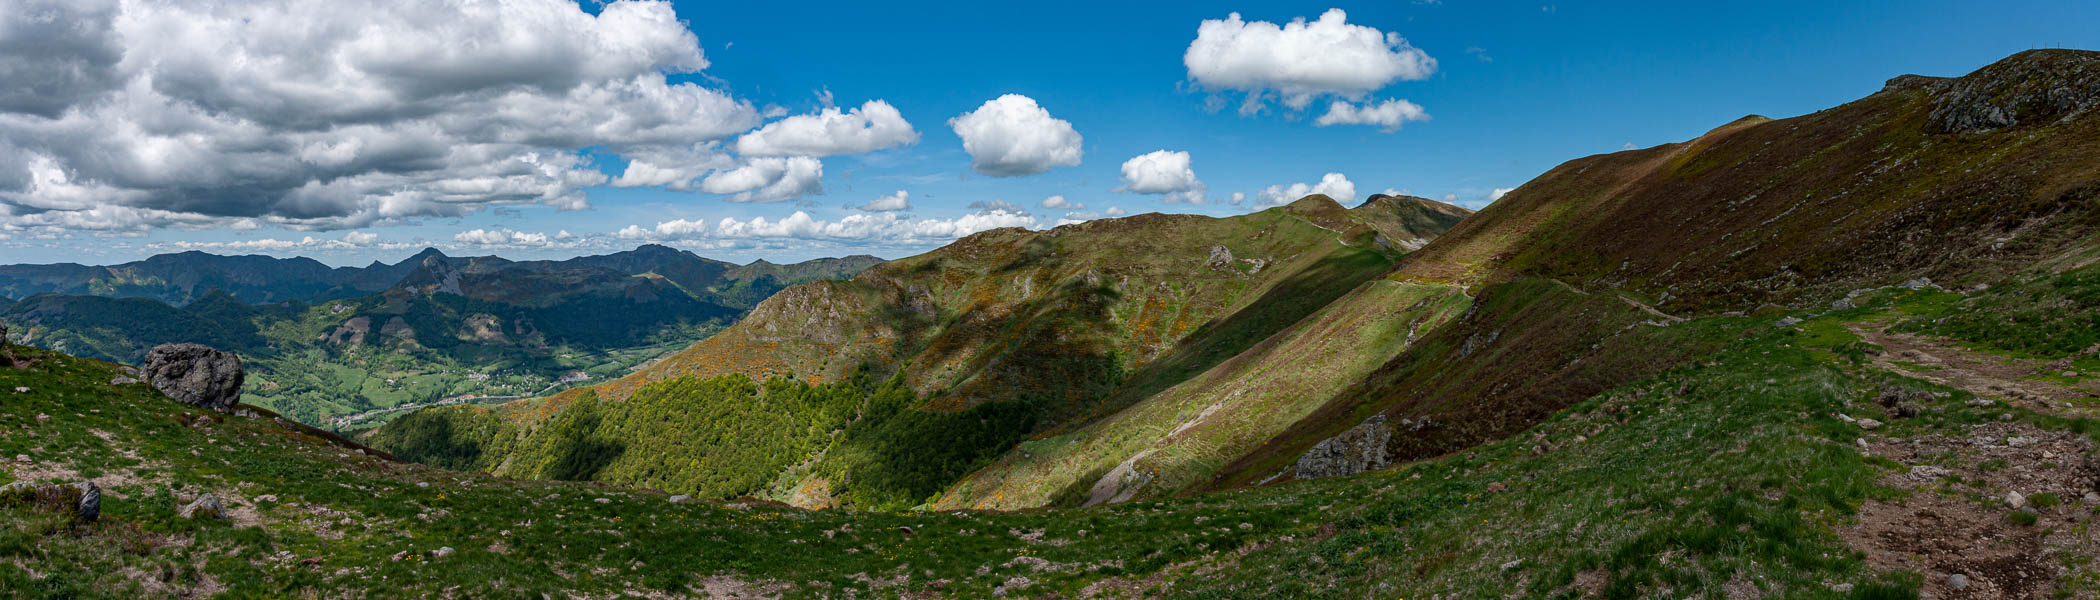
[[2019, 381]]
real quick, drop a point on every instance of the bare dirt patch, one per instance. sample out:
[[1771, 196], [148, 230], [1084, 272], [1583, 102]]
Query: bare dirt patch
[[1958, 520]]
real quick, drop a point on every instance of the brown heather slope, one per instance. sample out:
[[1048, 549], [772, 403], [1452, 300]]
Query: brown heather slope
[[1906, 182], [1062, 318], [1963, 180]]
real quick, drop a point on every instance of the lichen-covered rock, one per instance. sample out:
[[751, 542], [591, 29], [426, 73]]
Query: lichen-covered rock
[[196, 375], [2033, 87], [1361, 448], [89, 507], [206, 506]]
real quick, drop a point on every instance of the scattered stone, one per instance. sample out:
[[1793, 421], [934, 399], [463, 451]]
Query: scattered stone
[[1919, 284], [1980, 402], [2019, 442], [1869, 424], [1958, 581], [681, 499], [400, 556], [1900, 402], [1929, 472], [21, 389], [2015, 500], [422, 484], [1789, 322], [122, 380], [41, 417], [1497, 487], [90, 506], [2092, 497], [1512, 564], [1361, 448], [266, 498], [196, 375], [602, 500], [1842, 588], [21, 458], [442, 552], [2070, 373], [205, 506]]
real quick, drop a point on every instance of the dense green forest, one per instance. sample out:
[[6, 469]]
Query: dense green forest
[[730, 436]]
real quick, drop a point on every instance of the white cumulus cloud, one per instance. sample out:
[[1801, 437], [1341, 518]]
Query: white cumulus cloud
[[1333, 185], [1300, 60], [768, 179], [858, 229], [1011, 136], [893, 202], [1060, 203], [873, 126], [1162, 172], [1388, 115], [1498, 193], [325, 114]]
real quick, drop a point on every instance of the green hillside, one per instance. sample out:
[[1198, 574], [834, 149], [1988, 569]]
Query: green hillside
[[1017, 331]]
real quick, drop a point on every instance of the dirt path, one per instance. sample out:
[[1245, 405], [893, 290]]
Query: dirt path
[[1958, 527], [2006, 379]]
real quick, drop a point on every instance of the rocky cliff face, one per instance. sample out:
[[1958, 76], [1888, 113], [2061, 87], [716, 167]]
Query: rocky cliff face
[[1361, 448]]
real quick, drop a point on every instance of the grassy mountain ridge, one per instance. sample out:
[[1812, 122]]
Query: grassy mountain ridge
[[1023, 329]]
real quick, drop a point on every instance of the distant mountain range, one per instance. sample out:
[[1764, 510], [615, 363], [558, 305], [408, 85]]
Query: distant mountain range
[[328, 342]]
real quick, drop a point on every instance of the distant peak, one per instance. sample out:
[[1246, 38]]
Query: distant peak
[[1314, 202]]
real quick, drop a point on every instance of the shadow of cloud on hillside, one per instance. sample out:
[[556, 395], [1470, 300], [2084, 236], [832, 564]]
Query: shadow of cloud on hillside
[[1220, 339], [582, 453]]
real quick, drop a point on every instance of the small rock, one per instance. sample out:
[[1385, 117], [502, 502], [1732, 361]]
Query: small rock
[[681, 499], [602, 500], [1929, 472], [1958, 581], [21, 389], [442, 552], [41, 417], [266, 498], [2070, 373], [2019, 442], [399, 556], [1789, 322], [2092, 497], [1842, 588], [205, 506], [122, 380], [422, 484], [1512, 564], [21, 458], [1869, 424], [2015, 500], [1497, 487], [1980, 402], [90, 507]]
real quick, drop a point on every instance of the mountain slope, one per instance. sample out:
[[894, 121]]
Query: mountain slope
[[1013, 330]]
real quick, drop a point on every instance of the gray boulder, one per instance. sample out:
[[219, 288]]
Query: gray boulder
[[90, 506], [196, 375], [1361, 448], [205, 506]]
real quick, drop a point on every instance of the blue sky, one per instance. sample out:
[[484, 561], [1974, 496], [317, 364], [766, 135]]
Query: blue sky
[[1516, 88]]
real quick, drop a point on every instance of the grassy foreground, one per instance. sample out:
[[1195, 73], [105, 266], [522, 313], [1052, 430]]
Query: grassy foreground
[[1732, 476]]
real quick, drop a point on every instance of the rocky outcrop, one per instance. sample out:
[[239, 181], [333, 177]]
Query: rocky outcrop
[[196, 375], [2033, 87], [1361, 448]]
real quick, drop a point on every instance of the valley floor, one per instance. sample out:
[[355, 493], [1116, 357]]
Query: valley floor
[[1825, 459]]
